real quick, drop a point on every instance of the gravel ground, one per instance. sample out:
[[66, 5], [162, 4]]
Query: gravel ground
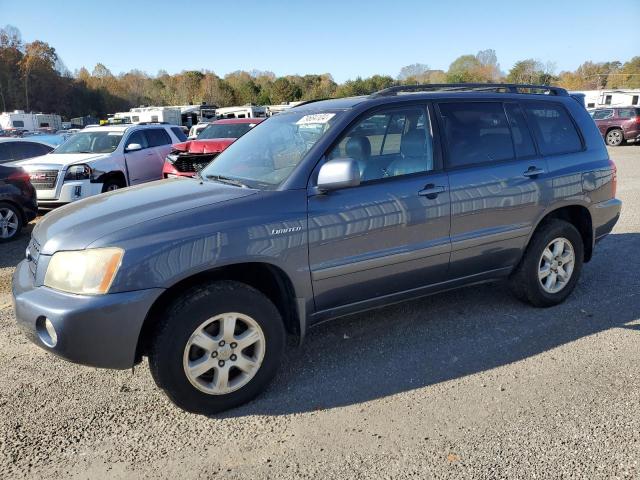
[[467, 384]]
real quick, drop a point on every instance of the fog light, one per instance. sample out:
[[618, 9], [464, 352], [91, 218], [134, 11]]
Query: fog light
[[46, 332]]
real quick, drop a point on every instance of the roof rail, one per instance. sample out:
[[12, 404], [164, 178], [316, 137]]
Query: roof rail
[[476, 87]]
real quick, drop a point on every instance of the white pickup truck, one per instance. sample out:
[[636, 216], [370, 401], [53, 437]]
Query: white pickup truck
[[100, 159]]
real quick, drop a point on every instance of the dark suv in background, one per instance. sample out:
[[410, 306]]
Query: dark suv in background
[[618, 124], [327, 209]]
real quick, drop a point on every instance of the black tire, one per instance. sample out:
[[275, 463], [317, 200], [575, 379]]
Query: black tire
[[524, 282], [615, 137], [111, 184], [13, 215], [185, 315]]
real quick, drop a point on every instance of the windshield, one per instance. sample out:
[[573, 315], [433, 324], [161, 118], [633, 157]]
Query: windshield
[[91, 142], [225, 130], [266, 155]]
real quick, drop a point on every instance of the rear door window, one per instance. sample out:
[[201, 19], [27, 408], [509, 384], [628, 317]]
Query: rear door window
[[22, 150], [522, 139], [553, 128], [476, 133], [157, 137]]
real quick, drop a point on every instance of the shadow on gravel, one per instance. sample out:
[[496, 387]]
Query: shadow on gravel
[[448, 336], [12, 253]]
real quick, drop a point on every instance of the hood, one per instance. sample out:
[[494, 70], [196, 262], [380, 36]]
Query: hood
[[214, 145], [60, 159], [78, 224]]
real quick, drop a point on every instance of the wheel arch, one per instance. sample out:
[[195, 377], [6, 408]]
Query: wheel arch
[[267, 278], [614, 127], [577, 215], [113, 174]]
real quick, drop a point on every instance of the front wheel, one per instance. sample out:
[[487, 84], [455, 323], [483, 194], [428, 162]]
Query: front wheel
[[111, 185], [217, 347], [551, 265]]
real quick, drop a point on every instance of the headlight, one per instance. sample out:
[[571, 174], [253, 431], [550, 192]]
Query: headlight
[[88, 272], [172, 157], [78, 172]]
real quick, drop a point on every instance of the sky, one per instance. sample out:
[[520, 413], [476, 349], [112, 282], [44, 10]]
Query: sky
[[345, 38]]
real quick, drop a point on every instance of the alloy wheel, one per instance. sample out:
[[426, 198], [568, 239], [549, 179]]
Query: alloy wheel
[[556, 265], [8, 223], [224, 353]]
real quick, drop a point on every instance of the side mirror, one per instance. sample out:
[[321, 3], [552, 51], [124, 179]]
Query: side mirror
[[338, 173], [132, 147]]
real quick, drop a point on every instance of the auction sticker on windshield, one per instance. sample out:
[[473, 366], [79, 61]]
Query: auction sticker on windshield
[[315, 118]]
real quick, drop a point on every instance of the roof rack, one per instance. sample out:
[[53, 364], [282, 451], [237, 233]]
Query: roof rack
[[476, 87]]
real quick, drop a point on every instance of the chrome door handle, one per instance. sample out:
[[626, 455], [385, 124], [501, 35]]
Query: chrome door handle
[[431, 191], [533, 172]]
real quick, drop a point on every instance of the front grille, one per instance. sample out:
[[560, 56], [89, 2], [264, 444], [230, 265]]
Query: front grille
[[33, 255], [44, 179], [193, 163]]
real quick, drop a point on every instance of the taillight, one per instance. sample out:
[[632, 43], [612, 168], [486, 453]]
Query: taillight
[[614, 179], [19, 175], [638, 119]]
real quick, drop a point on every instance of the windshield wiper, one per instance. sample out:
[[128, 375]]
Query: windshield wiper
[[227, 180]]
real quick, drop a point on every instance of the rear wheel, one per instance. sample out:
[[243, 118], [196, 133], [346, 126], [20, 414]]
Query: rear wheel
[[217, 347], [10, 222], [615, 137], [551, 265]]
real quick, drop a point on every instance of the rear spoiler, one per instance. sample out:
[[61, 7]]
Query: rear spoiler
[[578, 97]]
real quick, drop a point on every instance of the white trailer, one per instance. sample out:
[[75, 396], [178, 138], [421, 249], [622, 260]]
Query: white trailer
[[170, 115], [274, 109], [48, 120], [611, 97], [247, 111], [17, 119]]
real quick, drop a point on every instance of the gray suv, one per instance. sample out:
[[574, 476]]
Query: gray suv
[[330, 208]]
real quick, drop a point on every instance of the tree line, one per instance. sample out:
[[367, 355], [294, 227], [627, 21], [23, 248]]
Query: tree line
[[34, 78]]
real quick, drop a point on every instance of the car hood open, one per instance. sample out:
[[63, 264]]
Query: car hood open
[[77, 225]]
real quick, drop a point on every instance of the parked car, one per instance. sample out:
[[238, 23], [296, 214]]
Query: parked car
[[195, 130], [324, 210], [100, 159], [189, 158], [12, 149], [618, 124], [18, 204]]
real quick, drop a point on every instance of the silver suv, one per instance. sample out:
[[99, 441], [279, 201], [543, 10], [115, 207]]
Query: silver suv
[[100, 159]]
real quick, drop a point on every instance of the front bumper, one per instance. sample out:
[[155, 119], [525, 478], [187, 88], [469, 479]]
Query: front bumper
[[99, 331], [69, 191]]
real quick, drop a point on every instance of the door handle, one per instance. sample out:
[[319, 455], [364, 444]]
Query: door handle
[[533, 172], [431, 191]]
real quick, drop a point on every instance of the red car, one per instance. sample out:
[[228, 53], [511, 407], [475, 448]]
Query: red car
[[189, 158], [618, 124]]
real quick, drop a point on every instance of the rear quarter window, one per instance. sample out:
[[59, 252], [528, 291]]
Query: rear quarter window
[[553, 128], [627, 113]]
